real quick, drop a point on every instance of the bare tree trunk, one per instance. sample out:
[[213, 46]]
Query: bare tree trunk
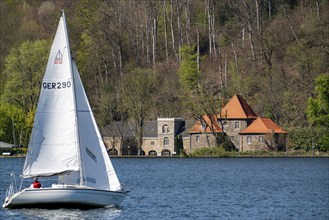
[[147, 33], [165, 29], [188, 22], [220, 68], [317, 9], [198, 49], [225, 71], [250, 32], [120, 60], [209, 27], [302, 8], [179, 25], [172, 29], [235, 58], [154, 38], [213, 32], [269, 9], [257, 17]]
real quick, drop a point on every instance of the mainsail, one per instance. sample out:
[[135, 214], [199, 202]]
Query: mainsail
[[65, 139]]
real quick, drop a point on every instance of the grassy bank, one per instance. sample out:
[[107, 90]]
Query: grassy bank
[[211, 152], [220, 152]]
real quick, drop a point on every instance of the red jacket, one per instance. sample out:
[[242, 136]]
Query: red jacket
[[36, 184]]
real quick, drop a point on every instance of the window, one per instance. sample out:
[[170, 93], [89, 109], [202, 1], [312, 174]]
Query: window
[[166, 141], [261, 139], [152, 142], [248, 139], [236, 125], [164, 129], [197, 138]]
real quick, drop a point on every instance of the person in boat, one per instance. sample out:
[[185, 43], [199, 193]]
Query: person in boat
[[36, 183]]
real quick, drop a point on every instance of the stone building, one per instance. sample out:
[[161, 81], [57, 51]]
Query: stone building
[[166, 136], [262, 134], [244, 128], [158, 137]]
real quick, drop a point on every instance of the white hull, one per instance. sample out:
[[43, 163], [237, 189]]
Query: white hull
[[69, 197]]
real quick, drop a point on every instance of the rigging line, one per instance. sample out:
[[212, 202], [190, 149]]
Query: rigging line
[[71, 61]]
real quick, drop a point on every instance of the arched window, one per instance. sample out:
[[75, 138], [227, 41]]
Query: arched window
[[166, 153], [153, 153], [164, 129], [166, 141]]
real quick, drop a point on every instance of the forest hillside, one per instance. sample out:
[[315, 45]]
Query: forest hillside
[[143, 59]]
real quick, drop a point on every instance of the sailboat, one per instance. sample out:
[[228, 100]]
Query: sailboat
[[65, 142]]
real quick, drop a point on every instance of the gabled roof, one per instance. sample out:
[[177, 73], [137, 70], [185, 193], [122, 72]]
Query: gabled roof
[[211, 121], [237, 108], [263, 125]]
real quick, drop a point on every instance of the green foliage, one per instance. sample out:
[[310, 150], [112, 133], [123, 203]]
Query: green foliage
[[211, 152], [11, 116], [318, 107], [307, 138], [24, 69], [188, 71]]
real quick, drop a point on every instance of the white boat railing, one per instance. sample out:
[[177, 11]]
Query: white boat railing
[[13, 186]]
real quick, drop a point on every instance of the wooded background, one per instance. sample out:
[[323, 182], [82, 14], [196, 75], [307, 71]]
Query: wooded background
[[143, 59]]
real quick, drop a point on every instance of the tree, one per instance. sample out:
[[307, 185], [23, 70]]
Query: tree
[[139, 88], [12, 122], [24, 69], [318, 108], [188, 71]]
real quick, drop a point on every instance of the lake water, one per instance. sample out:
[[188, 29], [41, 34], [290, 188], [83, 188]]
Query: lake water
[[205, 188]]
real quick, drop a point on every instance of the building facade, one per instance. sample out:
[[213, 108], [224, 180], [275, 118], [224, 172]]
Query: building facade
[[236, 122]]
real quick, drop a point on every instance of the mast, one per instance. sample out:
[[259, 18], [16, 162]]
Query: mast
[[78, 148]]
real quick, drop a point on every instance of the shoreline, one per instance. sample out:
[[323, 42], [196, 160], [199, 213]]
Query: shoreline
[[205, 156]]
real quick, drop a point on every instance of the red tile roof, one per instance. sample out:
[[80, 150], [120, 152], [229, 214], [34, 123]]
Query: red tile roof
[[263, 125], [237, 108], [211, 121]]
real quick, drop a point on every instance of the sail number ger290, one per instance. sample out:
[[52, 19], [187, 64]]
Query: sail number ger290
[[56, 85]]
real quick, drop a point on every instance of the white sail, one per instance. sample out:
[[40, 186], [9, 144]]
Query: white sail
[[96, 161], [53, 142]]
